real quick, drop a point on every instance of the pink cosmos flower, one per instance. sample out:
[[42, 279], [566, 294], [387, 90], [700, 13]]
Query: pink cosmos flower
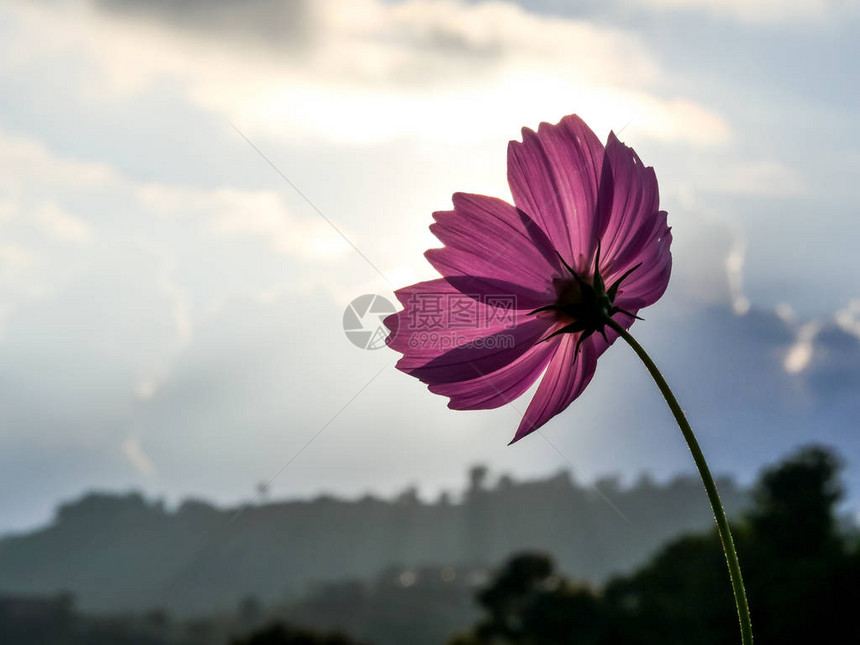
[[526, 289]]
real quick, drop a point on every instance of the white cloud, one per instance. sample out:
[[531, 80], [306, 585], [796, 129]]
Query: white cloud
[[9, 210], [133, 451], [232, 212], [57, 222], [15, 259], [734, 264], [786, 313], [427, 70], [800, 354], [709, 254], [848, 318], [761, 11], [32, 177], [147, 277], [804, 349], [23, 159], [761, 179]]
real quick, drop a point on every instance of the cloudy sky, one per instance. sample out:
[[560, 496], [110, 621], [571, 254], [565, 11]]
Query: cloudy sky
[[192, 191]]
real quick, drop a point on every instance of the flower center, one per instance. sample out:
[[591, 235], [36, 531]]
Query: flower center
[[584, 305], [581, 301]]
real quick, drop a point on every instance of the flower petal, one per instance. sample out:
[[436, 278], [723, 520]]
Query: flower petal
[[440, 345], [647, 284], [636, 231], [554, 176], [566, 378], [502, 386], [492, 248], [563, 381]]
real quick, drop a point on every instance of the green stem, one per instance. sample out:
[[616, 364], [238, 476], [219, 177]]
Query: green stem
[[711, 488]]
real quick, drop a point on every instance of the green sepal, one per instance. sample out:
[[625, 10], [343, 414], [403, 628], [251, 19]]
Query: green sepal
[[613, 290]]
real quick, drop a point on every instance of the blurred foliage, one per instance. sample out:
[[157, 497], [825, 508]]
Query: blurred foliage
[[801, 574], [280, 634]]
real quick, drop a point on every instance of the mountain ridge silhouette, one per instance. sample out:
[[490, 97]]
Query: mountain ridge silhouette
[[120, 552]]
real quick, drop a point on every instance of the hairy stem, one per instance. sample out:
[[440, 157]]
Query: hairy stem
[[707, 479]]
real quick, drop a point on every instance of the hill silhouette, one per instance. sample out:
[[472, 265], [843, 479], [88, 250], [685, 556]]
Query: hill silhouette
[[124, 552]]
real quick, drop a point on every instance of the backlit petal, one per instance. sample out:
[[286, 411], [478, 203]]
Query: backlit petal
[[502, 386], [493, 248], [554, 176], [636, 231], [439, 346]]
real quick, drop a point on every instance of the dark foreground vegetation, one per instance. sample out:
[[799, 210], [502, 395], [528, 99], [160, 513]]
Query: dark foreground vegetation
[[801, 564], [802, 574]]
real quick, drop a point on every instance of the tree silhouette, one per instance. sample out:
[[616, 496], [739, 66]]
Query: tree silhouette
[[527, 604], [801, 574], [280, 634], [795, 504]]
